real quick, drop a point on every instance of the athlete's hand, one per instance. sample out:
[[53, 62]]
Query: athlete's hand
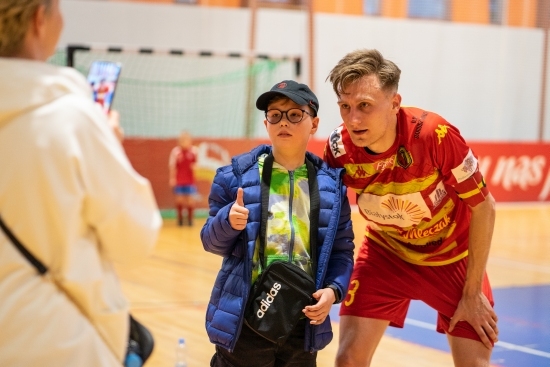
[[318, 312], [477, 311], [238, 215]]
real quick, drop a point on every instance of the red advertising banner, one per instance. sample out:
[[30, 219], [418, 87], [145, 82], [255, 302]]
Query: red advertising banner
[[150, 158], [514, 172]]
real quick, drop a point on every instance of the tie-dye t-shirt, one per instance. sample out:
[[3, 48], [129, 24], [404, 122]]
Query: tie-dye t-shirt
[[287, 230]]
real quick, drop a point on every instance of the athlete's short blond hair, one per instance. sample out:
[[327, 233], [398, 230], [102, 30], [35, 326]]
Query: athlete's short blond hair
[[15, 17], [360, 63]]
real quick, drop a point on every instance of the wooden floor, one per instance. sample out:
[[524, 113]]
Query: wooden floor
[[170, 291]]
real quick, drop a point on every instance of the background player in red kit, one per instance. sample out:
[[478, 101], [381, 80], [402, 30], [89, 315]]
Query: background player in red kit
[[182, 180], [429, 217], [101, 91]]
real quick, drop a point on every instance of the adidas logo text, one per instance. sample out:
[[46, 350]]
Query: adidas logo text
[[268, 300]]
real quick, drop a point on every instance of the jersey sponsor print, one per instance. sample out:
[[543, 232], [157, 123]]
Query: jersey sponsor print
[[412, 194]]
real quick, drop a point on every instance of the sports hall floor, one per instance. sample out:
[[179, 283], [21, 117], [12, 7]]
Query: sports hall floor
[[169, 293]]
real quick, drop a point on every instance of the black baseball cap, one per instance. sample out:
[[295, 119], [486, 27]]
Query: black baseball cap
[[297, 92]]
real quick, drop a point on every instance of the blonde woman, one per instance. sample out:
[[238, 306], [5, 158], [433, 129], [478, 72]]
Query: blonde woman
[[71, 197]]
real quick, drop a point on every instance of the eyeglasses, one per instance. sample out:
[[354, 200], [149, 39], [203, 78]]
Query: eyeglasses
[[294, 115]]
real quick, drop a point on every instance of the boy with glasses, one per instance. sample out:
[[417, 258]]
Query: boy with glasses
[[305, 197]]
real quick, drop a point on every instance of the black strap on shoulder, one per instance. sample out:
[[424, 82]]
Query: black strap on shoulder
[[314, 210], [264, 189], [41, 268], [315, 204]]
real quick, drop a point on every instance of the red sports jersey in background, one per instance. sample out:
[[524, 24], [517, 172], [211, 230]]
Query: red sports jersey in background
[[182, 160]]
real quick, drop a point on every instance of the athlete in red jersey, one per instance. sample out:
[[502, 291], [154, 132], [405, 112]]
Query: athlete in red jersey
[[429, 217], [182, 179], [103, 89]]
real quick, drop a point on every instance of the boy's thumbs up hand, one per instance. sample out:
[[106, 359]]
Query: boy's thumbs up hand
[[238, 215], [240, 199]]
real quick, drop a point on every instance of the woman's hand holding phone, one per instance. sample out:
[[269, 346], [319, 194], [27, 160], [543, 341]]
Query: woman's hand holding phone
[[114, 123]]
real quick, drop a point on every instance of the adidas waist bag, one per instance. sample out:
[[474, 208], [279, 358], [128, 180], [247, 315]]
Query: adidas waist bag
[[277, 299]]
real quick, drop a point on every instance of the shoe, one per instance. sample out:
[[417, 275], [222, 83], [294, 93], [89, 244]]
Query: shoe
[[180, 222]]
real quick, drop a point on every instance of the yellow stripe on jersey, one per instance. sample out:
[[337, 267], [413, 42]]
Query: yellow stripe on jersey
[[362, 170], [473, 192], [419, 258], [402, 188]]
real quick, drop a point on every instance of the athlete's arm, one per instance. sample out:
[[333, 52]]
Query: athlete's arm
[[460, 168], [172, 167], [474, 307]]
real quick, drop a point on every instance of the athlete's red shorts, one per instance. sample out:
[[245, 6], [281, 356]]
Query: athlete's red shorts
[[382, 286]]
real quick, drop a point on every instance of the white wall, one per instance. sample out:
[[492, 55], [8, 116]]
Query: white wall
[[483, 79], [154, 25], [486, 80]]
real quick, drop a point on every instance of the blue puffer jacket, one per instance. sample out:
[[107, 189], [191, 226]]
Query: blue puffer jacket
[[224, 316]]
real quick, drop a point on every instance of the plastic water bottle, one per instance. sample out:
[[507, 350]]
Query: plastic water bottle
[[132, 357], [181, 353]]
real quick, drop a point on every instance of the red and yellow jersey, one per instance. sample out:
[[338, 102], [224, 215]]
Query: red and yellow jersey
[[182, 161], [415, 196]]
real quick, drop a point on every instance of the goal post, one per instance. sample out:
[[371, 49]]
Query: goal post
[[162, 92]]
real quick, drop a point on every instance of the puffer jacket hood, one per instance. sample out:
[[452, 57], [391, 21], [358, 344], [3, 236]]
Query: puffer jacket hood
[[27, 85]]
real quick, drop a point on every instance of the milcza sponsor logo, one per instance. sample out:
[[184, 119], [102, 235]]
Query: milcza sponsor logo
[[416, 233], [268, 300]]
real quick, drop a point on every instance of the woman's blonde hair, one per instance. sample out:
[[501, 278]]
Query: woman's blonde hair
[[15, 17]]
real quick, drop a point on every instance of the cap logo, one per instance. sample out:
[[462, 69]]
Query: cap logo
[[311, 103], [281, 85]]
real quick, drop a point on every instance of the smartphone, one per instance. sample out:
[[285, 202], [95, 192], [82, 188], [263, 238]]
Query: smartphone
[[103, 78]]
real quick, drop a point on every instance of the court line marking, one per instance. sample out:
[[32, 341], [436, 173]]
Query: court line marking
[[519, 264], [519, 348], [523, 205]]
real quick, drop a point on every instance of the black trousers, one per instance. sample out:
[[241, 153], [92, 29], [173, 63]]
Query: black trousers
[[252, 350]]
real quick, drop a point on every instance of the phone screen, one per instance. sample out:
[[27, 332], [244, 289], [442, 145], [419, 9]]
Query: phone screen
[[103, 78]]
